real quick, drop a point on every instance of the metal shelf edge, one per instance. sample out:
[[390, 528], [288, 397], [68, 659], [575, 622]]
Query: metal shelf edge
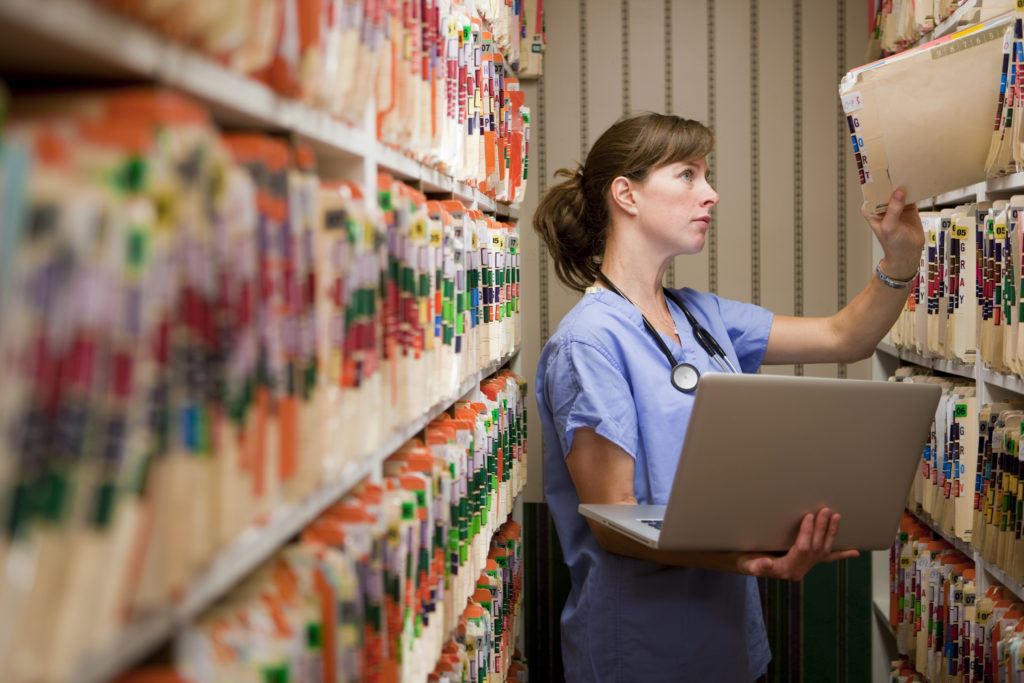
[[1007, 183], [888, 349], [1009, 382], [1001, 184], [882, 616], [1012, 383], [947, 365]]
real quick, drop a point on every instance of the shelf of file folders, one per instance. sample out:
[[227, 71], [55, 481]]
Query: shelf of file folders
[[966, 305], [951, 623], [428, 95], [204, 345], [418, 574], [967, 498], [900, 25]]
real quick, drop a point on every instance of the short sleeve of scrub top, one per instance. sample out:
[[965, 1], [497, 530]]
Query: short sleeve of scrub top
[[595, 394], [628, 619]]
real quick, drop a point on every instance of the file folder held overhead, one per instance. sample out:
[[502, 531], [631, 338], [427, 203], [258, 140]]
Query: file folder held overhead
[[933, 103]]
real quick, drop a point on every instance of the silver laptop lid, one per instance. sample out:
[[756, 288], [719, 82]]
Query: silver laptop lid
[[761, 450]]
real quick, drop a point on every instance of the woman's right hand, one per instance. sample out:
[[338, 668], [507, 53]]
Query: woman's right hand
[[813, 545]]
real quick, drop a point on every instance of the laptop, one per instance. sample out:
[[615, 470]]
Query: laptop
[[761, 451]]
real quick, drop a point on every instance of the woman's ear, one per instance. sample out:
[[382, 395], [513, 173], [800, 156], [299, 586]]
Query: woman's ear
[[623, 195]]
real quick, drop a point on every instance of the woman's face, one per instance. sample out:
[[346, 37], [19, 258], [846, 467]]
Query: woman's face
[[674, 206]]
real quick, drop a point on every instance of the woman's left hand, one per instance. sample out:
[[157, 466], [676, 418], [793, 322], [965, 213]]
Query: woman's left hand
[[813, 545], [900, 233]]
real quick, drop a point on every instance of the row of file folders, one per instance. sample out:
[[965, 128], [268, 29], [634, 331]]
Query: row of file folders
[[966, 303], [899, 24], [416, 578], [440, 74], [192, 316], [971, 479], [946, 628]]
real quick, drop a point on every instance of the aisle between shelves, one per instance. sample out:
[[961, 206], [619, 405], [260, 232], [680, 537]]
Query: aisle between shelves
[[190, 316]]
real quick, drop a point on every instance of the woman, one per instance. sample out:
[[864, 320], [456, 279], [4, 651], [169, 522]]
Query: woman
[[613, 227]]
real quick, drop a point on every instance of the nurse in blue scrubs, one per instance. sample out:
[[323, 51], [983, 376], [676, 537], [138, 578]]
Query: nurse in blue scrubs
[[607, 398]]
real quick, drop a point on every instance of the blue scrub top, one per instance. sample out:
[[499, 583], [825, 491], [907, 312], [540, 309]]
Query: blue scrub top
[[629, 619]]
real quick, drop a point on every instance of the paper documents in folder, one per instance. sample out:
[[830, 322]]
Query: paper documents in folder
[[923, 119]]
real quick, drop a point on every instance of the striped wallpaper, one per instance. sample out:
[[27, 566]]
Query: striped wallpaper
[[788, 233]]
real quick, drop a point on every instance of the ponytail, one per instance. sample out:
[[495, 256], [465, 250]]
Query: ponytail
[[562, 221]]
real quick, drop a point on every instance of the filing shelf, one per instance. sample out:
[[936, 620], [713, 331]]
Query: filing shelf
[[951, 367], [961, 545], [1004, 184], [952, 22], [958, 196], [997, 573], [84, 42], [955, 367], [1000, 187], [72, 37], [969, 550], [982, 375], [882, 617], [253, 547]]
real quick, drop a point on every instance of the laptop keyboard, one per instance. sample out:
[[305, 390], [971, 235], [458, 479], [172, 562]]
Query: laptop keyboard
[[656, 523]]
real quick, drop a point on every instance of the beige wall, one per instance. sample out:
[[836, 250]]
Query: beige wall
[[788, 233]]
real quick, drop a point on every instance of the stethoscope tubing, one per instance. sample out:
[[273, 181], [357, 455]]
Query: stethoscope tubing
[[684, 376]]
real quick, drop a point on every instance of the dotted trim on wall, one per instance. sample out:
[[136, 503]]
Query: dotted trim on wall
[[841, 144], [755, 161], [670, 274], [584, 118], [542, 186], [625, 57], [798, 168], [713, 241]]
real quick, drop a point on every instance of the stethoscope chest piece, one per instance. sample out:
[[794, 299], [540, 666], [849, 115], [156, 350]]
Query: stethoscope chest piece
[[685, 377]]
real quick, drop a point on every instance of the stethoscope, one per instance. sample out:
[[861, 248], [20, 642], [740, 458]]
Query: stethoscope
[[684, 375]]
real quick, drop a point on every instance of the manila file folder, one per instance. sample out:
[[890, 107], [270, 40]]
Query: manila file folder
[[923, 119]]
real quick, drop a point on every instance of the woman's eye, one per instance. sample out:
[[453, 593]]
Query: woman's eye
[[687, 175]]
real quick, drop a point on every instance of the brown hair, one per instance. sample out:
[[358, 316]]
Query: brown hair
[[572, 217]]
